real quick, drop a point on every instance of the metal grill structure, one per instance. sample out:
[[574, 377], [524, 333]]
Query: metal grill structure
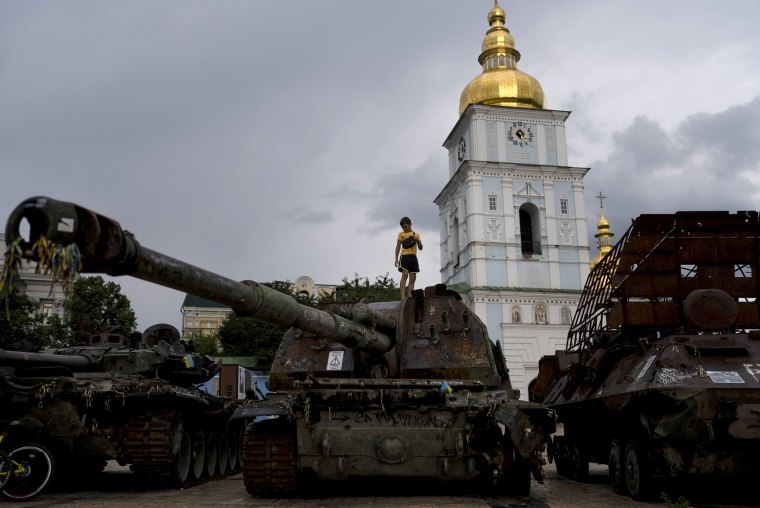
[[637, 291]]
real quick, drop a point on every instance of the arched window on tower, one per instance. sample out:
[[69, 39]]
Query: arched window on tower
[[530, 230]]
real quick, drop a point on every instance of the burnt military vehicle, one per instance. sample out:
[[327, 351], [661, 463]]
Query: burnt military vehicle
[[660, 378], [411, 388], [131, 399]]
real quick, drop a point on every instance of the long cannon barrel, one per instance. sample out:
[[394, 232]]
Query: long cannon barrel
[[18, 358], [106, 248]]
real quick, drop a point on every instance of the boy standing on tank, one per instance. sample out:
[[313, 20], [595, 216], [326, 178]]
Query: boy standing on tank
[[407, 243]]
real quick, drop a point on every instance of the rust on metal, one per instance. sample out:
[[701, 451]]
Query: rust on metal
[[659, 378], [410, 388]]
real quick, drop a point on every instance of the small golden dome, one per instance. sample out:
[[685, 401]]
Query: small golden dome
[[496, 14], [603, 236], [501, 84]]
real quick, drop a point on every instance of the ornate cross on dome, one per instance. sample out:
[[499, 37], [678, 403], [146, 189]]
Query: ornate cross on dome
[[601, 197]]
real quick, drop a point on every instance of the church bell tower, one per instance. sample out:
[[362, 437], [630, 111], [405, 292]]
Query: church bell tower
[[514, 237]]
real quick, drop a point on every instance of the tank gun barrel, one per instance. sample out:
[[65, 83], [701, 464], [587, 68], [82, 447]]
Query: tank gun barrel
[[363, 313], [19, 358], [106, 248]]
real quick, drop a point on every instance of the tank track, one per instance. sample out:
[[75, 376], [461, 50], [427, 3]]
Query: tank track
[[148, 445], [269, 459]]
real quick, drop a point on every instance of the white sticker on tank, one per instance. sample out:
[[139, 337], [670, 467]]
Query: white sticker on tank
[[335, 360], [722, 377], [66, 225], [646, 366]]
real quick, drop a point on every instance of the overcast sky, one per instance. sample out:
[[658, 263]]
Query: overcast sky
[[266, 140]]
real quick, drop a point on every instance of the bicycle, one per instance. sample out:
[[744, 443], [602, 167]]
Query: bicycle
[[5, 467], [25, 470]]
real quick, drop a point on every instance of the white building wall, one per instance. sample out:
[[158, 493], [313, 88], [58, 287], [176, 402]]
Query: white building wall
[[528, 173]]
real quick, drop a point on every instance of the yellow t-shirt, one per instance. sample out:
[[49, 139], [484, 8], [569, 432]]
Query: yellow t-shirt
[[413, 248]]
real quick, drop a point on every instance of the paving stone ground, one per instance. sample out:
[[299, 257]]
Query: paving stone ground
[[118, 488]]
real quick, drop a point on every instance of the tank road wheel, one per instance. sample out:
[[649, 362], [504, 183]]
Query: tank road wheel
[[240, 439], [269, 459], [234, 450], [199, 455], [616, 469], [637, 476], [578, 461], [561, 458], [223, 456], [183, 456], [212, 453]]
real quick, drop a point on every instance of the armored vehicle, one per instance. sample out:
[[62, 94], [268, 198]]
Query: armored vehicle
[[133, 400], [410, 388], [660, 378]]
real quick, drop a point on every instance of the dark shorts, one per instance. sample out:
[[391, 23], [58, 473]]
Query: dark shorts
[[409, 263]]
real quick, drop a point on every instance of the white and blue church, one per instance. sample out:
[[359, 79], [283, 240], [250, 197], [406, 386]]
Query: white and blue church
[[513, 229]]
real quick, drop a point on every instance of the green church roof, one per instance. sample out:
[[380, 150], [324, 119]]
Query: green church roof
[[197, 301]]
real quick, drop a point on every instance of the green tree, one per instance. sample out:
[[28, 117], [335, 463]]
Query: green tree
[[250, 337], [94, 304], [352, 290], [24, 328], [53, 331], [205, 343], [242, 336], [18, 323]]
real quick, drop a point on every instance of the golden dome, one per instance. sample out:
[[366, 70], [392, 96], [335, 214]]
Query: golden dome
[[496, 12], [604, 239], [501, 84]]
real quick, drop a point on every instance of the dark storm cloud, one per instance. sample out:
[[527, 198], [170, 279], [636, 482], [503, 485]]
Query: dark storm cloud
[[408, 193], [708, 162], [729, 139], [205, 127], [308, 216]]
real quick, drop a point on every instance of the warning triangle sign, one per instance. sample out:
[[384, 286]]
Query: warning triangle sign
[[335, 360]]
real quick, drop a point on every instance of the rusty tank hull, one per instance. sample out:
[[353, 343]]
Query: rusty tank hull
[[109, 399], [411, 388], [660, 378], [435, 406]]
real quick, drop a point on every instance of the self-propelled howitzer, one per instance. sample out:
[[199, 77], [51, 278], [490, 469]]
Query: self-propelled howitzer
[[396, 389]]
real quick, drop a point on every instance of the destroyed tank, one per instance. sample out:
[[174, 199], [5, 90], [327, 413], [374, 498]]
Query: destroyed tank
[[130, 399], [660, 377], [409, 388]]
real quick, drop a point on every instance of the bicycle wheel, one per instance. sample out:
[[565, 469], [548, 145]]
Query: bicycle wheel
[[31, 471], [5, 468]]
